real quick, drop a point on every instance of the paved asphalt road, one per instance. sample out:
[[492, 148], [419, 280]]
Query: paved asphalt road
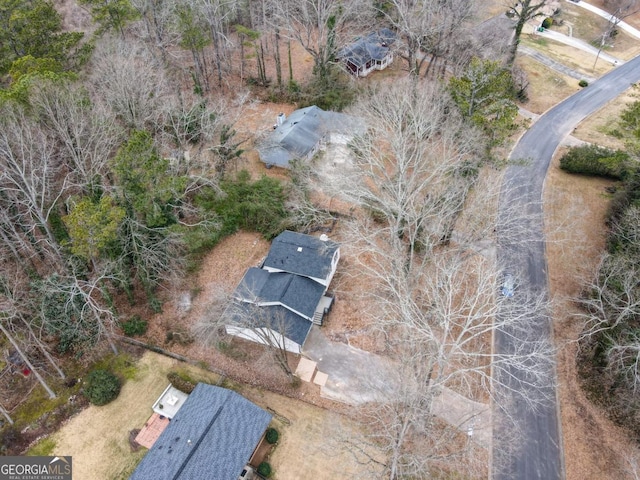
[[540, 454]]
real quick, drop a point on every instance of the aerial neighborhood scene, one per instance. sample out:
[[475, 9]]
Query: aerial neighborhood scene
[[320, 239]]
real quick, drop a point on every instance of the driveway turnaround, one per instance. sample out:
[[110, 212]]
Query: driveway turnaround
[[539, 455]]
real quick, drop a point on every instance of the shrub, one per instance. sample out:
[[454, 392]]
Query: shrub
[[102, 387], [180, 383], [583, 83], [264, 469], [134, 326], [271, 436], [596, 161], [547, 22], [256, 206]]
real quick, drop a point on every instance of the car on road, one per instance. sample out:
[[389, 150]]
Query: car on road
[[508, 288]]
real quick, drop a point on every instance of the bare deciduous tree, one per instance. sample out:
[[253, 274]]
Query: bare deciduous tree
[[431, 292], [265, 325], [414, 166], [74, 309], [32, 183], [87, 135], [523, 11], [219, 14], [17, 302], [130, 83], [11, 311], [428, 28], [157, 18], [320, 26], [439, 322], [619, 9]]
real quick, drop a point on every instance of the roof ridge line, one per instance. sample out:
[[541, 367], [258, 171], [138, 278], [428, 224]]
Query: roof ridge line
[[197, 444]]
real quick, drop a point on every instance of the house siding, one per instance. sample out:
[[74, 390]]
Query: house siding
[[252, 335]]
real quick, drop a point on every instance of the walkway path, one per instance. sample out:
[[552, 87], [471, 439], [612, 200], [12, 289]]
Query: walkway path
[[579, 44], [552, 64], [598, 11]]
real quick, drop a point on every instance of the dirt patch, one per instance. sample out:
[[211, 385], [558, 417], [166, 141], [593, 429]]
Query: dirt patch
[[574, 217]]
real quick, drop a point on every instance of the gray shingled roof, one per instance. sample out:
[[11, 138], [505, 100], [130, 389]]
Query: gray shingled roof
[[275, 317], [293, 291], [301, 254], [374, 46], [301, 132], [213, 435]]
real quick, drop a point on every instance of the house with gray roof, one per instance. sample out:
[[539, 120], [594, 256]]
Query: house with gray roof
[[214, 434], [304, 133], [369, 53], [280, 301], [305, 255]]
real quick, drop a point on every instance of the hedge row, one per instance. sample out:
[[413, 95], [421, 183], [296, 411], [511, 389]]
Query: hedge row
[[597, 161], [180, 383]]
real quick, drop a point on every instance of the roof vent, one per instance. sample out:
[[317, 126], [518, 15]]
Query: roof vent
[[324, 237], [299, 249]]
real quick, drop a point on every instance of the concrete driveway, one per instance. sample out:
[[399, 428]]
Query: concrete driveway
[[355, 376]]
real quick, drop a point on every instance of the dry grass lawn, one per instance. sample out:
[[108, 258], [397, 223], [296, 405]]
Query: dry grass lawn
[[312, 438], [596, 128], [576, 59], [546, 87], [314, 443], [98, 438]]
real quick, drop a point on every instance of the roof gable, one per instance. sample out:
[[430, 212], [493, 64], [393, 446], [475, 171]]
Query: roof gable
[[214, 433], [293, 291], [295, 138], [374, 46], [301, 254], [277, 318]]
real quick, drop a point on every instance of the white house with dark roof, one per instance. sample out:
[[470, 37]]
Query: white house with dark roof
[[304, 133], [369, 53], [213, 435], [279, 302]]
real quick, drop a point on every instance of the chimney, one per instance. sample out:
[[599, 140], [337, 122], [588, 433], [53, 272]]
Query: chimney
[[280, 119]]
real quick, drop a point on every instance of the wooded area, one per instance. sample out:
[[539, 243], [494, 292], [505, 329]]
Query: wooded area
[[118, 155]]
